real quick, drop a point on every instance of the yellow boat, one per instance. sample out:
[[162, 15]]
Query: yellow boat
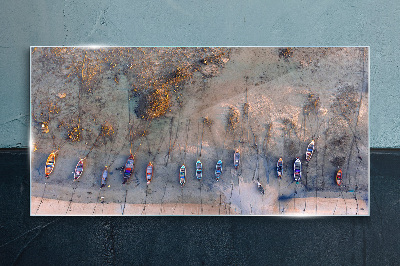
[[50, 163]]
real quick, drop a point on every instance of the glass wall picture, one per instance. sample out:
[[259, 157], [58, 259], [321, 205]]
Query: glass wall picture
[[274, 131]]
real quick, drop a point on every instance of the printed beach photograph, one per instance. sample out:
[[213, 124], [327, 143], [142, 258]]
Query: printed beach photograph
[[270, 131]]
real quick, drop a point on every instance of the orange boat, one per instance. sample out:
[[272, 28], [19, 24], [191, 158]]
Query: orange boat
[[149, 172], [339, 177], [50, 163]]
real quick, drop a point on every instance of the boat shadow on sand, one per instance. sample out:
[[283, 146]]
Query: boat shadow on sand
[[294, 194]]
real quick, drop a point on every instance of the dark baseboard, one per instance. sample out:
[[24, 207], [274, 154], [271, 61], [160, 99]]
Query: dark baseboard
[[369, 240]]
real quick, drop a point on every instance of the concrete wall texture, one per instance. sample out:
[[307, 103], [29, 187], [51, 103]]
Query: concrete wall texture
[[200, 23]]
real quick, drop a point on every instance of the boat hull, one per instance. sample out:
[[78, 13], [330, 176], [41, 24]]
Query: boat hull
[[199, 170], [236, 159], [78, 170], [339, 177], [182, 175], [297, 170], [104, 177], [149, 172], [128, 169], [260, 188], [50, 163], [279, 167], [218, 170], [310, 151]]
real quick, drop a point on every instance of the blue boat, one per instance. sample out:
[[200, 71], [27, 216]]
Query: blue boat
[[279, 167], [236, 159], [129, 167], [182, 175], [297, 170], [218, 170], [104, 177], [199, 170]]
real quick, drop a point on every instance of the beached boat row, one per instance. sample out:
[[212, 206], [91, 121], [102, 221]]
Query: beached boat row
[[297, 168], [297, 165], [130, 166]]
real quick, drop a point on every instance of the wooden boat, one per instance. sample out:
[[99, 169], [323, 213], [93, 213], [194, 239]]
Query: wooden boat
[[129, 167], [199, 169], [78, 170], [50, 163], [149, 172], [310, 151], [236, 159], [339, 177], [260, 188], [218, 170], [182, 175], [104, 177], [279, 167], [297, 170]]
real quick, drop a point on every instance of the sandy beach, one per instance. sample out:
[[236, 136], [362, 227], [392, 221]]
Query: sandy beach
[[316, 206], [283, 101]]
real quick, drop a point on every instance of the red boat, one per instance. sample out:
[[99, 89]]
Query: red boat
[[339, 177], [149, 172]]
